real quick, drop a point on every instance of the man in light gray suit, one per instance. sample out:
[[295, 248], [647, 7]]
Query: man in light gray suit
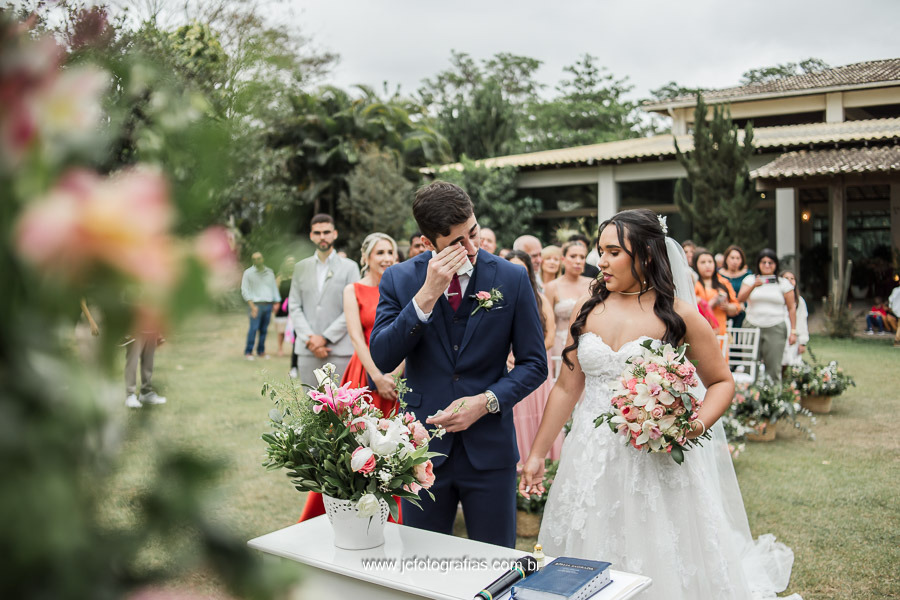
[[316, 303]]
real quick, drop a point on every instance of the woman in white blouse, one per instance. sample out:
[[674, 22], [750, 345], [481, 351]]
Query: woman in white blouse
[[793, 351], [767, 296]]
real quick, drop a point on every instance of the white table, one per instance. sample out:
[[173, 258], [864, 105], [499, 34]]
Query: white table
[[414, 564]]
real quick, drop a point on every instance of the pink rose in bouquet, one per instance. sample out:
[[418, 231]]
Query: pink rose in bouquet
[[424, 473]]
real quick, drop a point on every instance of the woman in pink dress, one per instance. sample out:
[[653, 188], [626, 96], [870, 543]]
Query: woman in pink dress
[[527, 413]]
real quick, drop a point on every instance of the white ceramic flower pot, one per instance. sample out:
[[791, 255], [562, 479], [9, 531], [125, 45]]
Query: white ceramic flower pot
[[352, 531]]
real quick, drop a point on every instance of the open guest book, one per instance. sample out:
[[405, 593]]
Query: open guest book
[[564, 579]]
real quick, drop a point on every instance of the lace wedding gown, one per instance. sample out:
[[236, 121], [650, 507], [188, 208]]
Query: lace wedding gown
[[682, 525]]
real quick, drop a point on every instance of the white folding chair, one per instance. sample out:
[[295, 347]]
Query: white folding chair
[[743, 347], [723, 344]]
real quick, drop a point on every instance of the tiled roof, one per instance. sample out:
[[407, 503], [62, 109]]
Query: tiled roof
[[845, 161], [863, 74], [663, 146]]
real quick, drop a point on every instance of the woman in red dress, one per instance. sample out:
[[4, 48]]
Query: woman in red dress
[[379, 251]]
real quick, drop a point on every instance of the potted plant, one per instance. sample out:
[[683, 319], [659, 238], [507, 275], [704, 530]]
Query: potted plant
[[819, 383], [529, 511], [333, 441], [758, 406]]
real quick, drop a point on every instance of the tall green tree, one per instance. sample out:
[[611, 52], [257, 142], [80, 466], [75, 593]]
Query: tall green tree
[[493, 192], [590, 108], [480, 108], [771, 73], [327, 132], [717, 197], [378, 198]]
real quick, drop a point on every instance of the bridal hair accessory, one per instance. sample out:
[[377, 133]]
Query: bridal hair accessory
[[662, 224]]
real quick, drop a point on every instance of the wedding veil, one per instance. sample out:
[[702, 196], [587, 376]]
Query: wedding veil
[[681, 272]]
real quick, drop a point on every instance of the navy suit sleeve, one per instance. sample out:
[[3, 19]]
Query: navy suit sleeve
[[528, 348], [397, 328]]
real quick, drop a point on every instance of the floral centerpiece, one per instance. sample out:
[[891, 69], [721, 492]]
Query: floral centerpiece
[[333, 441], [758, 406], [818, 383], [653, 406]]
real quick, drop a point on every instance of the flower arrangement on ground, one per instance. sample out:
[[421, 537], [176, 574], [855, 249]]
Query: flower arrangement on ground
[[333, 441], [820, 380], [759, 405], [653, 406]]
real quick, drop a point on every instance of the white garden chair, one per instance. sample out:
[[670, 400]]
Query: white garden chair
[[723, 344], [743, 347]]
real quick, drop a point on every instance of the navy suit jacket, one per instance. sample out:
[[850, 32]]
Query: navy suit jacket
[[439, 374]]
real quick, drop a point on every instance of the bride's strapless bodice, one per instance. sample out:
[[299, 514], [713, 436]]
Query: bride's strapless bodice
[[601, 365]]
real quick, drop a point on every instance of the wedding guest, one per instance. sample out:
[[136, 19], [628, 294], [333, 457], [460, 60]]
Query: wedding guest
[[260, 291], [735, 271], [766, 296], [689, 248], [894, 304], [792, 352], [531, 246], [720, 260], [379, 251], [141, 348], [714, 290], [416, 245], [876, 317], [488, 240], [590, 270], [527, 413], [316, 303], [283, 280], [551, 263], [503, 252], [563, 293]]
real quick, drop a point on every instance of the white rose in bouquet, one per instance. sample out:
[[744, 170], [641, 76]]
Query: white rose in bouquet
[[368, 506]]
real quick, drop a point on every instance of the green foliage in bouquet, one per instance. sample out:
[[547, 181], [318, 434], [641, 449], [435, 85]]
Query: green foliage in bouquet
[[334, 442], [817, 379], [535, 504], [762, 403]]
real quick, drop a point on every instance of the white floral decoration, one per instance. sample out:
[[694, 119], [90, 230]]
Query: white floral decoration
[[662, 224]]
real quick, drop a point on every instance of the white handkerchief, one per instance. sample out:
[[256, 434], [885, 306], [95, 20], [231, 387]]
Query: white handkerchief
[[466, 268]]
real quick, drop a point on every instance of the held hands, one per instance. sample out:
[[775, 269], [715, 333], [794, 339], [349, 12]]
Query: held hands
[[317, 345], [532, 478], [440, 272], [460, 414]]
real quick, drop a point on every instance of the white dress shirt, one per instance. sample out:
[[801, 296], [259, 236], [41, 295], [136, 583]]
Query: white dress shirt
[[322, 269]]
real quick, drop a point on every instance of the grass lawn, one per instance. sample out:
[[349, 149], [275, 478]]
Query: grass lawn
[[835, 500]]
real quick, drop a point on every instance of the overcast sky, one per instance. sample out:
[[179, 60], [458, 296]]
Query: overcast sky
[[706, 43]]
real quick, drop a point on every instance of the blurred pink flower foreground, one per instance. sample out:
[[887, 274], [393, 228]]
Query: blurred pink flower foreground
[[86, 221]]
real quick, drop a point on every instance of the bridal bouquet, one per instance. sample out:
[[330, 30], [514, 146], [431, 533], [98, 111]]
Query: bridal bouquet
[[333, 441], [653, 406]]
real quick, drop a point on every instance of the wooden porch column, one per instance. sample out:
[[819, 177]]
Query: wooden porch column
[[838, 229]]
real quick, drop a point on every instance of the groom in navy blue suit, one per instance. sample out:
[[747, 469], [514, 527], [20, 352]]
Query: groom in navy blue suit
[[456, 362]]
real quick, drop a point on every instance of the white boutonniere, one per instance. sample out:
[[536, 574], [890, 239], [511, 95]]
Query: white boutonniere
[[329, 275], [487, 300]]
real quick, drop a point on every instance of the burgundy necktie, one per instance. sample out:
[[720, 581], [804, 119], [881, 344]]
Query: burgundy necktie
[[454, 293]]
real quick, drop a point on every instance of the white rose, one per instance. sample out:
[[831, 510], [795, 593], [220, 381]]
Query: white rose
[[368, 506], [489, 304]]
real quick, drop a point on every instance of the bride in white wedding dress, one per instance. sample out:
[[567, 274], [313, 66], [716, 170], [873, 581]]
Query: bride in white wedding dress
[[682, 525]]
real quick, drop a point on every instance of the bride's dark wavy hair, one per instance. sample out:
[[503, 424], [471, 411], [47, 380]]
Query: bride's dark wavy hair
[[648, 249]]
